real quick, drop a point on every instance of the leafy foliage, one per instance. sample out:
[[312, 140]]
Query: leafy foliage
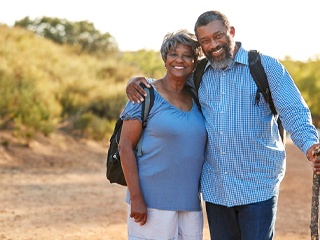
[[149, 62], [45, 85], [307, 78], [80, 34]]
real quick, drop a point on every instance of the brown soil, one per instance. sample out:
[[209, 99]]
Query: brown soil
[[55, 188]]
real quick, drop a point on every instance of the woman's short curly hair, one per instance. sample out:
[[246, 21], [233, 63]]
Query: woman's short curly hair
[[183, 36]]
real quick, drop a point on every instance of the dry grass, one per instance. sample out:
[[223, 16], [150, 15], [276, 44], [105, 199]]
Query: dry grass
[[56, 189]]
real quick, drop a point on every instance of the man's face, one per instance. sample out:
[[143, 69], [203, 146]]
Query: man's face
[[217, 43]]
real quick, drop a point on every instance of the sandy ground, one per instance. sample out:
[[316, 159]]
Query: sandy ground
[[55, 188]]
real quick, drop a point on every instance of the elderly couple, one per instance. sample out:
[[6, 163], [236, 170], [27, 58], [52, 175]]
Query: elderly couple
[[230, 151]]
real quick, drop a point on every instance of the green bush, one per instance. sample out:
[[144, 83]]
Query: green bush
[[45, 86], [89, 125], [22, 104]]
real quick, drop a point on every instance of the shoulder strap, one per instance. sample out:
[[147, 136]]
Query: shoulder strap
[[197, 76], [260, 77], [146, 107], [193, 94]]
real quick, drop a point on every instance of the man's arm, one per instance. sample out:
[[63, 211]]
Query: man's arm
[[134, 91]]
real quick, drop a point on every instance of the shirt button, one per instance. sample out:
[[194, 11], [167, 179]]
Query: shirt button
[[225, 172], [221, 133]]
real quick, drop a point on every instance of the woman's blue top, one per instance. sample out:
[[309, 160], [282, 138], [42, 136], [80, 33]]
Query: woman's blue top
[[173, 148]]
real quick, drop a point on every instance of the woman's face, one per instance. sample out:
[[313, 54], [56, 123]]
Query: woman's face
[[180, 61]]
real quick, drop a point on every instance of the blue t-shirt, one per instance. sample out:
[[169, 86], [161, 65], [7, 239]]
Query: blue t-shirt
[[173, 148]]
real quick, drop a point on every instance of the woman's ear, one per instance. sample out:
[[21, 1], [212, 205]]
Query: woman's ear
[[195, 64]]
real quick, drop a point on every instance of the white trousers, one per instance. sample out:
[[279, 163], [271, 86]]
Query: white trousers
[[167, 225]]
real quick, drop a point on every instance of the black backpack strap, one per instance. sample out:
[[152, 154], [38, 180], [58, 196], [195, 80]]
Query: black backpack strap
[[258, 73], [198, 73], [194, 96], [146, 107], [260, 77]]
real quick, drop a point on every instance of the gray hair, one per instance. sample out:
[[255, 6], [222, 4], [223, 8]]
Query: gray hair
[[171, 40], [207, 17]]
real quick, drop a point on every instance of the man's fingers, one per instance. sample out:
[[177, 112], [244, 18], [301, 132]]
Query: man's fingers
[[143, 81], [134, 90], [135, 98]]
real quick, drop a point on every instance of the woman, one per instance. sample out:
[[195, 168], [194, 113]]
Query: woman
[[163, 184]]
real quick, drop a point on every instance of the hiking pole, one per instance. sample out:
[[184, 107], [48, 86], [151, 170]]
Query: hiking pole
[[314, 225]]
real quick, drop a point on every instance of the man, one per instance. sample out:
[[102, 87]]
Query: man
[[245, 157]]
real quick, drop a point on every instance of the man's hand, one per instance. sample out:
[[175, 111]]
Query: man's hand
[[313, 156], [134, 91]]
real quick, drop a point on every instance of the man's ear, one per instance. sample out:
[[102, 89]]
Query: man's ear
[[232, 31]]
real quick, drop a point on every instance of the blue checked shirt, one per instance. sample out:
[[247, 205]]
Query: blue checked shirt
[[245, 157]]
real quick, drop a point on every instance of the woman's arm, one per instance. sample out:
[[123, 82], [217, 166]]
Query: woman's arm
[[130, 135]]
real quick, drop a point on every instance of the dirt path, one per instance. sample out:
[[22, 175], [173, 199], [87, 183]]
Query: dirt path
[[56, 189]]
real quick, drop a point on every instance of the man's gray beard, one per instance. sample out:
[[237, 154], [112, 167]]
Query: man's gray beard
[[222, 64]]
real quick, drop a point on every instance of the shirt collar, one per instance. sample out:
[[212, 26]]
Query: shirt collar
[[241, 55]]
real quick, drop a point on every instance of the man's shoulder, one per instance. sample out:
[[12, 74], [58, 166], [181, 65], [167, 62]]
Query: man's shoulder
[[270, 62], [243, 54], [202, 61]]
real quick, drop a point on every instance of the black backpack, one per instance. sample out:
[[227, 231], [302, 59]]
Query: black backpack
[[114, 171], [260, 78]]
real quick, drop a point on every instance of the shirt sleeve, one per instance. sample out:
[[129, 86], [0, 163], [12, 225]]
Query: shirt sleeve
[[131, 111], [292, 108]]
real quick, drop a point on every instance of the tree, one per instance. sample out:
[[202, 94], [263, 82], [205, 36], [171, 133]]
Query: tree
[[149, 62], [81, 34]]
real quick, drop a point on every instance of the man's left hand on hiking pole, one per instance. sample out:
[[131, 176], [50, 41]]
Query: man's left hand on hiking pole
[[314, 157]]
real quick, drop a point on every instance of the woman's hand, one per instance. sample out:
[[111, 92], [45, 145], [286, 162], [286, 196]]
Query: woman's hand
[[130, 135], [139, 210]]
